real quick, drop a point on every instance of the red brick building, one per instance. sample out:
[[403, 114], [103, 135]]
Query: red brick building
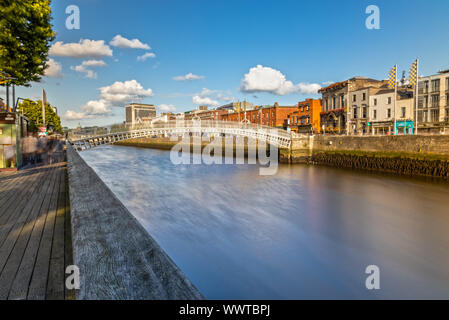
[[273, 116], [306, 119]]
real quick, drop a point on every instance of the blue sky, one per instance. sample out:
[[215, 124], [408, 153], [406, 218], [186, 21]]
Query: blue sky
[[309, 43]]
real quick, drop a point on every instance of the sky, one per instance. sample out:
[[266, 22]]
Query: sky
[[182, 54]]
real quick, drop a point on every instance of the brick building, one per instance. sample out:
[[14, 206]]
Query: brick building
[[306, 119], [273, 116]]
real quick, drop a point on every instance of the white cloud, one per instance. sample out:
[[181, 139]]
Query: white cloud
[[85, 48], [266, 79], [83, 67], [54, 69], [167, 108], [122, 42], [125, 92], [210, 98], [73, 115], [205, 101], [146, 56], [188, 77], [117, 94]]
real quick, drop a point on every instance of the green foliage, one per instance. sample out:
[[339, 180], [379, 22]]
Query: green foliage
[[33, 110], [25, 37]]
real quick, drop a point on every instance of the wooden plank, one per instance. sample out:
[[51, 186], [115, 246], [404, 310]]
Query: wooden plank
[[15, 186], [68, 252], [55, 283], [16, 215], [30, 237], [38, 285]]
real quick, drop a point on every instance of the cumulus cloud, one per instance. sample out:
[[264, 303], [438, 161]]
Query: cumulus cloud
[[146, 56], [167, 108], [85, 66], [85, 48], [211, 98], [124, 92], [266, 79], [188, 77], [205, 101], [122, 42], [54, 69], [117, 94]]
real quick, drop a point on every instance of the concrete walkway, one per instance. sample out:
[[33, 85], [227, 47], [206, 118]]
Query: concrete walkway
[[35, 239]]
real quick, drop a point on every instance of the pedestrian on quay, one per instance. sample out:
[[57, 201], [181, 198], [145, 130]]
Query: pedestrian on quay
[[29, 148], [42, 149]]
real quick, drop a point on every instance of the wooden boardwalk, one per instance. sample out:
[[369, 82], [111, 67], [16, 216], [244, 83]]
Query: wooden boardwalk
[[35, 239]]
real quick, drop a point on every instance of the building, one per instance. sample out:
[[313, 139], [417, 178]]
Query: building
[[136, 112], [381, 113], [162, 118], [237, 106], [307, 118], [335, 112], [433, 102], [271, 115]]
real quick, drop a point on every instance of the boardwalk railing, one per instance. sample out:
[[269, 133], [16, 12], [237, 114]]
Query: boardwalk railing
[[274, 136]]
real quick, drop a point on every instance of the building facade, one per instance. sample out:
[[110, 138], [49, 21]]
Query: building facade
[[336, 116], [382, 114], [307, 118], [433, 102], [272, 116], [137, 113]]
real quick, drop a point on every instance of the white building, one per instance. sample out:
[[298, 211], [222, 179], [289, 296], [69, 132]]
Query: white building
[[382, 115]]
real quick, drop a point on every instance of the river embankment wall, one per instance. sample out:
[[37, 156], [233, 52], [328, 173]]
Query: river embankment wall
[[116, 256]]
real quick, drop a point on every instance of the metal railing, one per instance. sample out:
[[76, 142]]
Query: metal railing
[[272, 135]]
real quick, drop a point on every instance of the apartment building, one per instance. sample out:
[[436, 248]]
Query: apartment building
[[271, 115], [381, 114], [335, 112], [136, 113], [433, 102], [306, 119]]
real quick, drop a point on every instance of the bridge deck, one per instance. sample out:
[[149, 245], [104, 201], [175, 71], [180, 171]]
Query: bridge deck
[[35, 243]]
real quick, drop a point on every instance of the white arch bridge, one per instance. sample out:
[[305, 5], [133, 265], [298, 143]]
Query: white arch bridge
[[278, 137]]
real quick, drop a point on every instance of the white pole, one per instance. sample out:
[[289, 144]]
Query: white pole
[[395, 97], [416, 96]]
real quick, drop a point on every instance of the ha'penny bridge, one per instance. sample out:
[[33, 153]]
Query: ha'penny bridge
[[274, 136]]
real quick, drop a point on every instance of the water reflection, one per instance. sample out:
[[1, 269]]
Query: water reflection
[[307, 232]]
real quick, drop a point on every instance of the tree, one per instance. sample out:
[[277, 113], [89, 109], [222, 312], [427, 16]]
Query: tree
[[25, 37], [33, 110]]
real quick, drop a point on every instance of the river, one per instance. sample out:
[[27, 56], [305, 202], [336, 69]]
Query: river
[[305, 233]]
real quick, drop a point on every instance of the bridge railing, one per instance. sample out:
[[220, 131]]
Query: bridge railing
[[191, 124]]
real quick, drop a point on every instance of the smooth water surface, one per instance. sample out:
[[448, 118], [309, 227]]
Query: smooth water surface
[[307, 232]]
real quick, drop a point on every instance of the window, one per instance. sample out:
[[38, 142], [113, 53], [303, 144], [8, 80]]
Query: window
[[334, 99], [423, 87], [447, 84], [447, 113], [436, 85], [302, 108], [365, 112], [435, 100], [354, 98], [388, 113], [375, 102], [364, 96], [403, 112], [435, 115], [389, 100], [355, 112], [374, 114], [447, 100], [342, 101], [308, 120], [308, 108]]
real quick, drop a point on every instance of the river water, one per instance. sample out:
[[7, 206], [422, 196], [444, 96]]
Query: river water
[[305, 233]]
